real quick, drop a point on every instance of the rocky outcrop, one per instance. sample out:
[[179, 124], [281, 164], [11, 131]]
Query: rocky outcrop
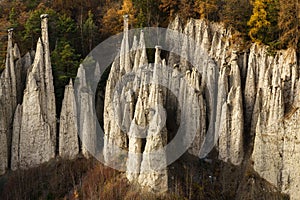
[[144, 125], [133, 119], [10, 93], [114, 134], [276, 145], [85, 103], [264, 105], [28, 131], [127, 123], [215, 95], [68, 129], [232, 94], [15, 150], [37, 140], [152, 172], [231, 120], [218, 68]]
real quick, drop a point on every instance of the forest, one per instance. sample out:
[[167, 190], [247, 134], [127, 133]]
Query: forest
[[76, 26]]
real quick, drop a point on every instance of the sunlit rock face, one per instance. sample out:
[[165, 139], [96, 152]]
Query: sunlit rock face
[[86, 113], [276, 116], [37, 131], [213, 93], [231, 115], [27, 103], [204, 101], [16, 138], [11, 86], [219, 71], [8, 102], [229, 95], [68, 129]]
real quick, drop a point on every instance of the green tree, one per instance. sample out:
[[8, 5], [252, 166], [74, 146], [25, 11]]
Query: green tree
[[148, 12], [67, 30], [13, 19], [31, 4], [66, 27], [141, 19], [33, 27], [263, 21], [16, 18], [273, 15], [90, 32], [65, 63]]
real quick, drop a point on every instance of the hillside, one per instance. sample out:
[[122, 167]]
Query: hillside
[[207, 108]]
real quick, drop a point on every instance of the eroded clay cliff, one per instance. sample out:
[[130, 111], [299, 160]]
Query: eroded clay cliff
[[11, 86], [237, 94], [37, 131], [242, 103]]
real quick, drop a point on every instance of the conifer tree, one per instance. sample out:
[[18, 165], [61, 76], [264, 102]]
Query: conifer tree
[[65, 64], [263, 21], [33, 27], [148, 12], [90, 32]]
